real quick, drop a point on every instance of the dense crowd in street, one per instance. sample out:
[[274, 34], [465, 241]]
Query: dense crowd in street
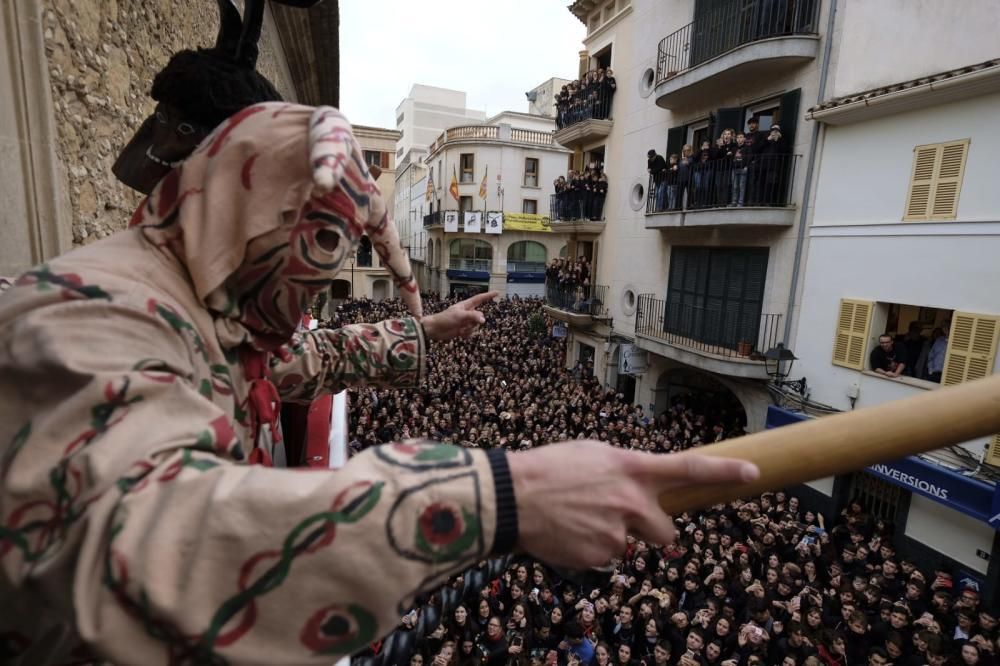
[[760, 581]]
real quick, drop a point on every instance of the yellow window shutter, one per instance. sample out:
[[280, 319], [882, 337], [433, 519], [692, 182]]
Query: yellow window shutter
[[972, 346], [918, 199], [993, 451], [948, 184], [851, 340]]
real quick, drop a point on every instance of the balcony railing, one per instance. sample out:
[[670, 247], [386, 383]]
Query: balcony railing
[[735, 332], [766, 181], [586, 104], [461, 264], [525, 266], [590, 300], [567, 208], [434, 218], [734, 24], [490, 134]]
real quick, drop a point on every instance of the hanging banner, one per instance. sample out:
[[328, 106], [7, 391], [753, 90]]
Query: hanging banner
[[632, 360], [473, 222], [494, 222], [451, 221], [526, 222]]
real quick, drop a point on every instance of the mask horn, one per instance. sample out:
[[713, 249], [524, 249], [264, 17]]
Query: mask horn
[[230, 28], [247, 52]]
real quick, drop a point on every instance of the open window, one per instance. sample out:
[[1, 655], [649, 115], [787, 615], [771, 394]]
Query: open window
[[467, 165]]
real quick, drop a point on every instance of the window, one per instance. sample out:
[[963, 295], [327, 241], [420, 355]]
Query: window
[[531, 172], [464, 204], [715, 295], [936, 181], [399, 119], [767, 113], [467, 165], [469, 248], [377, 158], [440, 173], [529, 206], [851, 338], [527, 251]]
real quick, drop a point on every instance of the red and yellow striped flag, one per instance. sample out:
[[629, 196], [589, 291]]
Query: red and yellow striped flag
[[482, 186], [453, 188]]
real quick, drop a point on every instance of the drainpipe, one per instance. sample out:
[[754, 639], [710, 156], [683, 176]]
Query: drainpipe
[[810, 169]]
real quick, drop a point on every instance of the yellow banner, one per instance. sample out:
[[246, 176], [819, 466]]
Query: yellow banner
[[526, 222]]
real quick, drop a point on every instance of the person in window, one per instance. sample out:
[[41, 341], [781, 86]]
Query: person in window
[[912, 344], [608, 87], [935, 357], [885, 359], [657, 168]]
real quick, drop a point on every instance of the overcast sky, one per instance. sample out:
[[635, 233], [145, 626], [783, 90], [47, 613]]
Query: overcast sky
[[494, 51]]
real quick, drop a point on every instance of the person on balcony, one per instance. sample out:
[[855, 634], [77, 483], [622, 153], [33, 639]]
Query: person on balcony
[[672, 178], [657, 168], [703, 176], [685, 175], [599, 192], [741, 160], [579, 208], [725, 148], [560, 197], [771, 160], [606, 86]]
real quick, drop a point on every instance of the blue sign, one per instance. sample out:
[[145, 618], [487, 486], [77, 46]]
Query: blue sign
[[472, 276], [517, 276], [559, 331], [956, 491]]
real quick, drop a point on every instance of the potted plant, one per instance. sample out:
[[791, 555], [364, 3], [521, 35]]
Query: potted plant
[[744, 348]]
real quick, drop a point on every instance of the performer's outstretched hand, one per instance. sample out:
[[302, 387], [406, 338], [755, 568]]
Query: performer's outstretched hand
[[459, 321], [577, 500]]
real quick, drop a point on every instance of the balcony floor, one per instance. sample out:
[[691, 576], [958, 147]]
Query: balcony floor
[[577, 319], [583, 133], [748, 66], [730, 366], [578, 226], [742, 216]]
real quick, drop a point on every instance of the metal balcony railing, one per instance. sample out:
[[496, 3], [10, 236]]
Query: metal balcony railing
[[568, 207], [766, 180], [590, 300], [592, 102], [733, 24], [525, 266], [434, 218], [734, 332], [462, 264]]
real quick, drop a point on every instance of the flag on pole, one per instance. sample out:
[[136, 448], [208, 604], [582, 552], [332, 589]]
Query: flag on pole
[[430, 185], [482, 186], [453, 188]]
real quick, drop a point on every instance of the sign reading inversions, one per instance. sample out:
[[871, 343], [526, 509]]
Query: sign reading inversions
[[910, 480]]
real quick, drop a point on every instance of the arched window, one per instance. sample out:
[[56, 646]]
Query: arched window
[[564, 251], [526, 256], [467, 254], [437, 253], [430, 253]]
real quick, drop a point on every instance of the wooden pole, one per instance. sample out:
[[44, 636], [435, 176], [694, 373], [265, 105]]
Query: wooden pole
[[850, 441]]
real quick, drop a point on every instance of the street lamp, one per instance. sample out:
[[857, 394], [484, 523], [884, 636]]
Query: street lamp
[[778, 363]]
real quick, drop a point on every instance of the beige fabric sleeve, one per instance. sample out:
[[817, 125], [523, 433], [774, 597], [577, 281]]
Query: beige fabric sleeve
[[391, 354], [127, 522]]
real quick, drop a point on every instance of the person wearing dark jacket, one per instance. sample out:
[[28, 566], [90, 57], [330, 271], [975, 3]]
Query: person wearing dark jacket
[[657, 167], [770, 162], [492, 644], [600, 193]]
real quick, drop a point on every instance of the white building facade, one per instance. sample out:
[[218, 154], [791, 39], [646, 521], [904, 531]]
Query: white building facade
[[877, 214], [903, 238], [424, 113]]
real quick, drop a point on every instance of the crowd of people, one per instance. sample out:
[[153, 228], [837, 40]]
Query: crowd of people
[[587, 98], [580, 195], [750, 168], [568, 280], [761, 581]]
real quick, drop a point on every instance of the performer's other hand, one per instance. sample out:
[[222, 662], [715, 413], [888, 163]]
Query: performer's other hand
[[577, 500], [459, 321]]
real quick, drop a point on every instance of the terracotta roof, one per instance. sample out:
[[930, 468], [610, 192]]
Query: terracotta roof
[[905, 85]]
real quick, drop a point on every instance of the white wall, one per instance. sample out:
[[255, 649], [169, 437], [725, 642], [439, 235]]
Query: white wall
[[889, 41], [949, 532], [866, 166]]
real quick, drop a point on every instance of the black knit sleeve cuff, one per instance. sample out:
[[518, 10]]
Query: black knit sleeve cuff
[[506, 504]]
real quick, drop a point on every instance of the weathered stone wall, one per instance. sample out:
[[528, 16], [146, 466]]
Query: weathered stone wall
[[102, 56]]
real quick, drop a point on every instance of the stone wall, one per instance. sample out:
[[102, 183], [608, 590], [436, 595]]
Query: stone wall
[[102, 56]]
